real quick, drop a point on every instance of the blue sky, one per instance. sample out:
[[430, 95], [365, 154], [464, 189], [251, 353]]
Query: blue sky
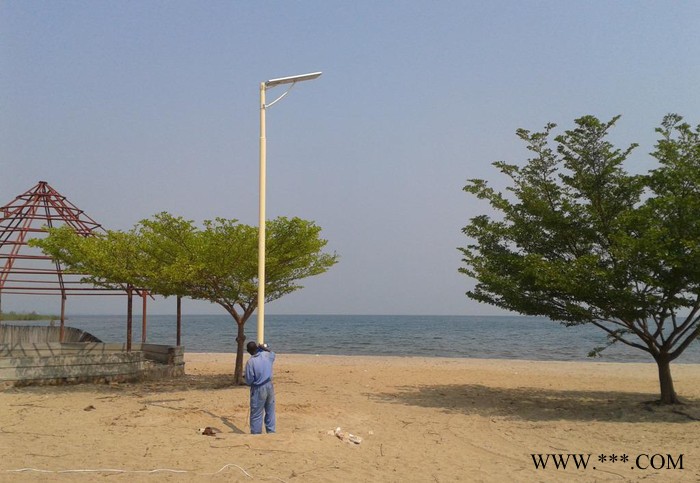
[[130, 108]]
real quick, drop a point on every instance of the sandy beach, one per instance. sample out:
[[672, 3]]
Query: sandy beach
[[420, 419]]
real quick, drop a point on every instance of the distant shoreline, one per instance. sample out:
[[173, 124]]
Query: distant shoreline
[[344, 359]]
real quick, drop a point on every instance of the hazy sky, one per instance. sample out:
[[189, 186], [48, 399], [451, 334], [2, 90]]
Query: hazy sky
[[130, 108]]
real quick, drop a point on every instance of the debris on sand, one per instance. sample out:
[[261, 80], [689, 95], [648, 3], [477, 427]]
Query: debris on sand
[[347, 437], [209, 431]]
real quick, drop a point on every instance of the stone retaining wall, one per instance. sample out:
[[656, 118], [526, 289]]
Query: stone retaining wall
[[57, 363]]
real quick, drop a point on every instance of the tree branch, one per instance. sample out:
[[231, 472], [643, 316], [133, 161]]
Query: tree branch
[[687, 323], [685, 343], [617, 337]]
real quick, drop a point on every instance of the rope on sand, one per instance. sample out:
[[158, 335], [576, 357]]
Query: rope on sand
[[231, 464], [111, 470]]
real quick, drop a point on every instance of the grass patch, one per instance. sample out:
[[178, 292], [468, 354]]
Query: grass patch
[[27, 316]]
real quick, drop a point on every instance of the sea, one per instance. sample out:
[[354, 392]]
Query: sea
[[490, 337]]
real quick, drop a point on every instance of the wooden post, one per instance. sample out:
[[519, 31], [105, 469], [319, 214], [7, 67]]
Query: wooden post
[[143, 312], [63, 318], [179, 320], [129, 308]]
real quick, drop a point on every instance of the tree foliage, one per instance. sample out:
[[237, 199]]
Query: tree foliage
[[169, 255], [580, 240], [106, 259]]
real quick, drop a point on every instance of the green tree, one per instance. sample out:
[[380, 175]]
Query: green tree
[[580, 240], [217, 263], [220, 263]]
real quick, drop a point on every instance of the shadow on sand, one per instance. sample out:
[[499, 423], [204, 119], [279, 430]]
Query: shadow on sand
[[189, 382], [535, 404]]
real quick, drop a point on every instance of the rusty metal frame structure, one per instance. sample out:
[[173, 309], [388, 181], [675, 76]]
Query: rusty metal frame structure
[[28, 271]]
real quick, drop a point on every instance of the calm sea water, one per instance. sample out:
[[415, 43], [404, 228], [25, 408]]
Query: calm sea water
[[498, 337]]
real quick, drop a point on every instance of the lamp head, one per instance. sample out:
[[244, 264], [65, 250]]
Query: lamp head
[[292, 79]]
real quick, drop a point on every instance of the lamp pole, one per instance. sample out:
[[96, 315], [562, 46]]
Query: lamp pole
[[263, 160]]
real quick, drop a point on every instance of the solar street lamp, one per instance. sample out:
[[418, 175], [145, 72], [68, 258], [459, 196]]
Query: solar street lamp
[[263, 154]]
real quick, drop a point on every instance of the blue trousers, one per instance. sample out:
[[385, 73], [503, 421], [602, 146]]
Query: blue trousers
[[262, 400]]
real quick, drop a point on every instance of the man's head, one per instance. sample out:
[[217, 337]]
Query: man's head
[[252, 348]]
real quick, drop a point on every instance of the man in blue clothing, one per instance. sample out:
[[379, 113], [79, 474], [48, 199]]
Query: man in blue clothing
[[258, 375]]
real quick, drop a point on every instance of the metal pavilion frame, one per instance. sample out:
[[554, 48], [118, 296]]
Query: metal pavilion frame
[[27, 271]]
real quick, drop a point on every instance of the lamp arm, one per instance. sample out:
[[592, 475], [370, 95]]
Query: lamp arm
[[280, 97]]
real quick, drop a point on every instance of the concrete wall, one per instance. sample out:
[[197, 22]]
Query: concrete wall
[[13, 334], [56, 363]]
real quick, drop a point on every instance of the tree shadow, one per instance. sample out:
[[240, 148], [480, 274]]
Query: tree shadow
[[535, 404], [188, 382]]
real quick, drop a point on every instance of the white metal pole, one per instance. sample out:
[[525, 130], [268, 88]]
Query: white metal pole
[[261, 221]]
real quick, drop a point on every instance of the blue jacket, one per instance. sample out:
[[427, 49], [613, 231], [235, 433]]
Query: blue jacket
[[258, 369]]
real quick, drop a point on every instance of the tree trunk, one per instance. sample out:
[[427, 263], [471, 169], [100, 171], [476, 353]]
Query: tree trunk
[[668, 394], [238, 372], [129, 310], [178, 322]]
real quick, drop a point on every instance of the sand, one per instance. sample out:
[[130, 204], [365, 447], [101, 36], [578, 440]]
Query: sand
[[420, 419]]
